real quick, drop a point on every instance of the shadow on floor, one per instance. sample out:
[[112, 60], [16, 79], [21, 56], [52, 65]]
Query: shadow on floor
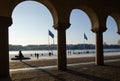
[[28, 64], [71, 72], [58, 78], [87, 76], [112, 66]]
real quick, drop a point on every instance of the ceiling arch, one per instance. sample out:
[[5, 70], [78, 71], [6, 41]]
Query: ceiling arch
[[9, 6], [91, 14], [116, 16]]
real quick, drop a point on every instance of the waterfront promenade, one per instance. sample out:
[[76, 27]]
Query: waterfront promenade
[[54, 56], [79, 69]]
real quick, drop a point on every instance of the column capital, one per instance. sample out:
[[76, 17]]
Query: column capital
[[98, 30], [62, 26], [6, 21]]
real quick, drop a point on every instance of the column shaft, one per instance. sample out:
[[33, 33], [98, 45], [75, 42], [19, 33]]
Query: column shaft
[[5, 22], [4, 55], [62, 59], [99, 59]]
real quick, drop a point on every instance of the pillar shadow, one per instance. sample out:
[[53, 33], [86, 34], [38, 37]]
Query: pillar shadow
[[58, 78], [73, 72], [88, 76], [115, 64], [112, 66], [28, 64]]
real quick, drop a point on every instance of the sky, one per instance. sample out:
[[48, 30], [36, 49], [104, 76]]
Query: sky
[[32, 20]]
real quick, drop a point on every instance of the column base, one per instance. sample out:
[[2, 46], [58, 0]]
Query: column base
[[62, 69], [99, 63]]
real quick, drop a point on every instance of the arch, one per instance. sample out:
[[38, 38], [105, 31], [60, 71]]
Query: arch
[[47, 4], [30, 15], [79, 22], [91, 14], [110, 36], [116, 16]]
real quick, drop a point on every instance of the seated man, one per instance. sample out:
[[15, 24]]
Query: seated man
[[20, 55]]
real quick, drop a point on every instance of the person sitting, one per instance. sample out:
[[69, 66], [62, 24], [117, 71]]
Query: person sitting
[[20, 55]]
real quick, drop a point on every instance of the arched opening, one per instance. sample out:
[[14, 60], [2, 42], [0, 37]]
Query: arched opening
[[80, 38], [111, 37], [116, 16], [31, 22]]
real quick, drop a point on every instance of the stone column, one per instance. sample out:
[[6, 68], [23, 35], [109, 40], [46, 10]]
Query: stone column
[[62, 58], [99, 58], [5, 22]]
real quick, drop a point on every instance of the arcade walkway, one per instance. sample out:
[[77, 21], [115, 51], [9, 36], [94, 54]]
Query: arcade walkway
[[97, 10]]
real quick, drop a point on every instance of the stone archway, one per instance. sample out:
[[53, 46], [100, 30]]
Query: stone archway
[[48, 4], [116, 16], [95, 11], [81, 23], [92, 16], [6, 21], [98, 21], [29, 16], [111, 36]]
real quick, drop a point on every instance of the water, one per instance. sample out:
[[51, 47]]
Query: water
[[55, 51], [44, 54]]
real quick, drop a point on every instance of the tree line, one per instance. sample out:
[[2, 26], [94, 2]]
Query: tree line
[[54, 47]]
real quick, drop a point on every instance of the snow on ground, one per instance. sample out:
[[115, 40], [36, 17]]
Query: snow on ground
[[54, 56]]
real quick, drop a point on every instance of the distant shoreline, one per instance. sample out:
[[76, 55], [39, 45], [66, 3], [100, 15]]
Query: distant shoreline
[[54, 56], [54, 47], [53, 61]]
